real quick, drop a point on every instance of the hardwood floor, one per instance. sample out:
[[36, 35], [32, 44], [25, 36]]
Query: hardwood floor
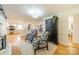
[[67, 50], [16, 50], [15, 40]]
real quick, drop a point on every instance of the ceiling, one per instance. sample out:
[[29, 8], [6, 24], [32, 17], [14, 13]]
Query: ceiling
[[21, 10]]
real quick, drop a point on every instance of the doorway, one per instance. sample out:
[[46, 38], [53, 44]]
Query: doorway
[[70, 29]]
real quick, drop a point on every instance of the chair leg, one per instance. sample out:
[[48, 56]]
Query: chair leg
[[47, 47], [35, 52], [25, 39]]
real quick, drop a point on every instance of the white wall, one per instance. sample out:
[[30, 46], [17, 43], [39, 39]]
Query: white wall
[[64, 17], [63, 30], [76, 28]]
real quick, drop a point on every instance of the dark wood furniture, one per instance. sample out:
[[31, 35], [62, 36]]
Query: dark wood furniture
[[11, 29], [51, 25]]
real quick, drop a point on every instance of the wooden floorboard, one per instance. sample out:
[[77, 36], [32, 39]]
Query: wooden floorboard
[[67, 50], [16, 51]]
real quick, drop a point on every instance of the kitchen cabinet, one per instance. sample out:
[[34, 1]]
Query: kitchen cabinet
[[3, 28], [2, 42]]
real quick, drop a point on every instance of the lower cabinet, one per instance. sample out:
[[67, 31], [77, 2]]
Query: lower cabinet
[[2, 42]]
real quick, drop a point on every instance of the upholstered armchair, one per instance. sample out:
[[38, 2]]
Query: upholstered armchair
[[31, 36], [41, 42]]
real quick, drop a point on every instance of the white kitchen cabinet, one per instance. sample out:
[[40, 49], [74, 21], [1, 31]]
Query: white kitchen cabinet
[[2, 25], [3, 29]]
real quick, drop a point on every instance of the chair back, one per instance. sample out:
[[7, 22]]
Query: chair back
[[44, 35]]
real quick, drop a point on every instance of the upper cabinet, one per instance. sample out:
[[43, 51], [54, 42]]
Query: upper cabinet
[[3, 17], [2, 11], [2, 21]]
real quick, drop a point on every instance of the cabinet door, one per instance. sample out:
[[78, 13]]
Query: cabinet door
[[0, 44], [2, 30]]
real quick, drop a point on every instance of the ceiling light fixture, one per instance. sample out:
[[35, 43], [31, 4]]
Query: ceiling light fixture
[[35, 13], [34, 16]]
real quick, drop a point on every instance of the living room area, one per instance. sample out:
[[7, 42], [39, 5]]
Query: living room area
[[26, 35], [39, 29], [23, 38]]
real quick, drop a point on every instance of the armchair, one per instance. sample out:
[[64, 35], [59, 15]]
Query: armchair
[[32, 35], [41, 42]]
